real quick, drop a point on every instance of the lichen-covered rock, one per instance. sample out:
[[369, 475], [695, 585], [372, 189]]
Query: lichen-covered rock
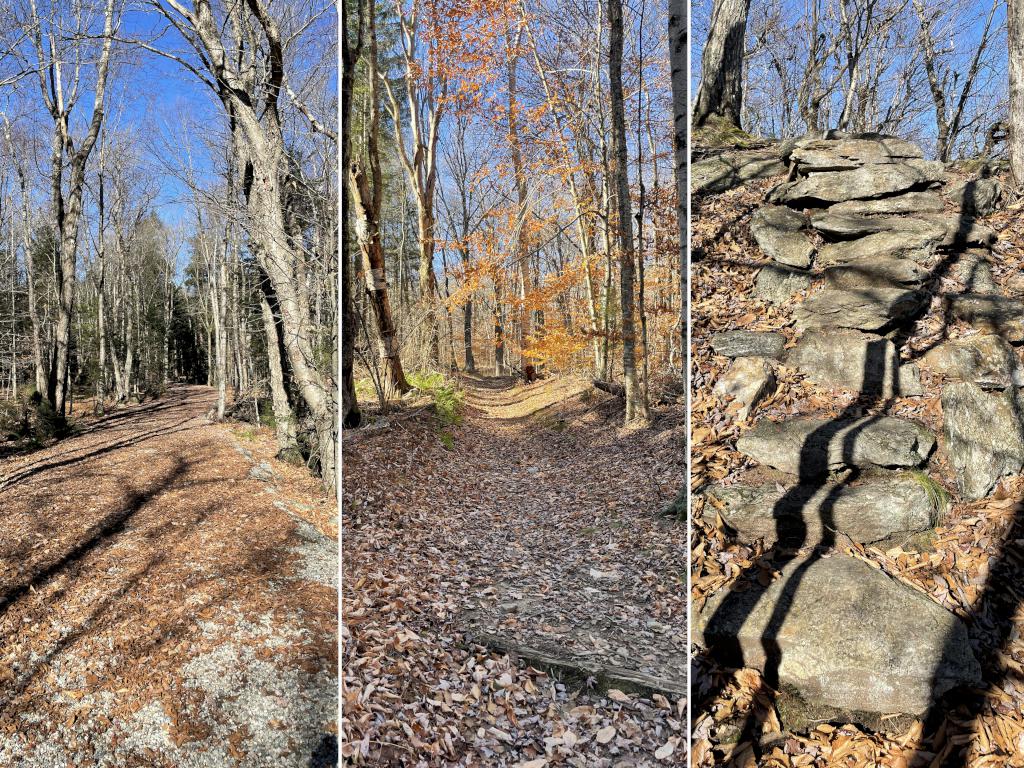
[[908, 202], [977, 196], [909, 245], [749, 344], [778, 232], [855, 225], [863, 362], [863, 183], [991, 312], [732, 169], [882, 272], [805, 515], [867, 309], [984, 435], [778, 284], [986, 359], [810, 447], [849, 637]]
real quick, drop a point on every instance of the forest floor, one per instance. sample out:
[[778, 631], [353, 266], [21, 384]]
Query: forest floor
[[950, 565], [513, 591], [168, 597]]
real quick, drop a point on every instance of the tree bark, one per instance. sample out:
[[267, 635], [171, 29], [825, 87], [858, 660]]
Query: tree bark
[[1015, 46], [636, 407], [350, 414], [678, 57], [721, 83]]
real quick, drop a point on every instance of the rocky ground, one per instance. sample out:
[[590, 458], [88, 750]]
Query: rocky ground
[[857, 463], [514, 591], [168, 597]]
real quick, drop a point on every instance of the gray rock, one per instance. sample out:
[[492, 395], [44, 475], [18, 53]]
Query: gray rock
[[811, 447], [777, 230], [850, 636], [748, 344], [864, 183], [732, 169], [867, 309], [852, 225], [962, 231], [800, 516], [778, 284], [849, 152], [908, 202], [749, 380], [910, 245], [990, 312], [859, 361], [977, 196], [984, 435], [262, 472], [975, 272], [986, 359], [882, 272]]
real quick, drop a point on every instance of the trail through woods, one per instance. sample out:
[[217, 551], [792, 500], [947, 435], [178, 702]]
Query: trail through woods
[[167, 597], [521, 596]]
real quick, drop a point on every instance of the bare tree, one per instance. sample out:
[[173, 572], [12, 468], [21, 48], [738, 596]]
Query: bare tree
[[721, 81]]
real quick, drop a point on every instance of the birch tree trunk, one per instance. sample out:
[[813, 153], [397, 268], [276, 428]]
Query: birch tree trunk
[[678, 58], [1015, 45]]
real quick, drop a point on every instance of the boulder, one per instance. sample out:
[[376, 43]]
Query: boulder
[[984, 435], [849, 636], [864, 183], [990, 312], [986, 359], [848, 152], [882, 272], [749, 344], [777, 230], [962, 231], [811, 447], [974, 270], [805, 515], [908, 202], [848, 225], [863, 362], [867, 309], [977, 196], [909, 245], [732, 169], [778, 284]]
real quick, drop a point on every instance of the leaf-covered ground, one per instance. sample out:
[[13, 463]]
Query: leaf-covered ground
[[972, 565], [168, 597], [539, 528]]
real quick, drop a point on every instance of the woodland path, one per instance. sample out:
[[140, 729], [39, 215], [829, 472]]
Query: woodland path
[[167, 597], [540, 534]]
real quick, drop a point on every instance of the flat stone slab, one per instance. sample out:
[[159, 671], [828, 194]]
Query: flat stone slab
[[910, 245], [863, 183], [732, 169], [863, 362], [977, 196], [748, 381], [876, 509], [882, 272], [778, 284], [908, 202], [850, 636], [810, 447], [778, 232], [849, 152], [867, 309], [991, 312], [986, 360], [855, 225], [749, 344], [984, 435]]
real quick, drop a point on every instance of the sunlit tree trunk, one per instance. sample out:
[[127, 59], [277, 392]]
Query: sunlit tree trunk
[[721, 84]]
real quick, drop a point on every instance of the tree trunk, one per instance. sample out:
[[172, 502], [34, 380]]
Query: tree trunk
[[678, 57], [1015, 45], [284, 417], [636, 407], [721, 83], [350, 53]]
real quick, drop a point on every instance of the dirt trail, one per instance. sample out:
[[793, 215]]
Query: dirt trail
[[539, 534], [167, 598]]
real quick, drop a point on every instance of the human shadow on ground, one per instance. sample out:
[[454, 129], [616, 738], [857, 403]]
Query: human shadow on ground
[[879, 389]]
